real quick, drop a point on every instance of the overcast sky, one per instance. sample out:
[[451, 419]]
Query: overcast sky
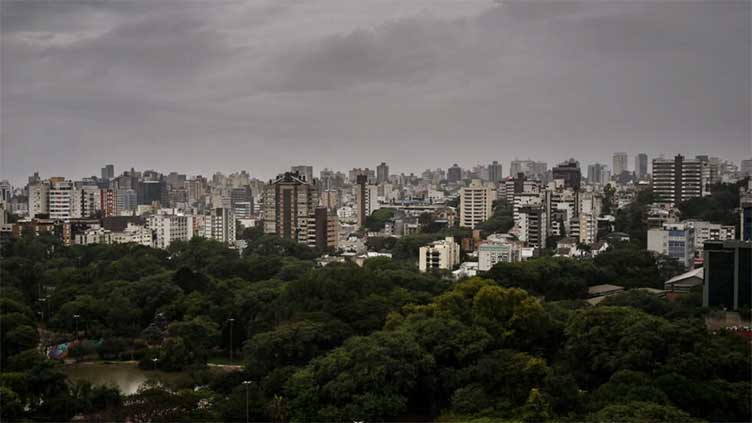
[[200, 86]]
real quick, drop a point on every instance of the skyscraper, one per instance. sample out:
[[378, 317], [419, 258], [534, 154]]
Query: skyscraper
[[595, 173], [495, 173], [621, 164], [382, 173], [728, 274], [641, 165], [677, 180]]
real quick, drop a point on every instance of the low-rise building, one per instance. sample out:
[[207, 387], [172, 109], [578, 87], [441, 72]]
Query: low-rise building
[[444, 254], [676, 240]]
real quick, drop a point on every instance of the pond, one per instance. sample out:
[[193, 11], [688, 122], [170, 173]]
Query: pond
[[125, 376]]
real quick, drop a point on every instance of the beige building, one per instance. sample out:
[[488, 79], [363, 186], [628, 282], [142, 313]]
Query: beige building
[[476, 203], [438, 255]]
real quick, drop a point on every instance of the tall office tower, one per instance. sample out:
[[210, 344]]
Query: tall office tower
[[382, 173], [126, 201], [219, 225], [728, 274], [39, 195], [366, 198], [495, 173], [677, 180], [569, 171], [108, 171], [641, 165], [87, 202], [289, 203], [746, 167], [476, 203], [304, 171], [621, 164], [533, 226], [168, 228], [60, 199], [152, 190], [241, 201], [454, 173]]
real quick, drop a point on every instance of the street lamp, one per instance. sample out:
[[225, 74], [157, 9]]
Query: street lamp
[[154, 360], [247, 383], [75, 320], [231, 320]]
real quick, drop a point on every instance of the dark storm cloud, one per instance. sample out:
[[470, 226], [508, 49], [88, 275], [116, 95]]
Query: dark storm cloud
[[200, 86]]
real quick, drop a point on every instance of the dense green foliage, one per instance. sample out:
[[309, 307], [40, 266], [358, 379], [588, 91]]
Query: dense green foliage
[[377, 220], [372, 343], [721, 206], [502, 219]]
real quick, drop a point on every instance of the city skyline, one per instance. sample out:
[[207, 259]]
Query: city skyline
[[417, 86]]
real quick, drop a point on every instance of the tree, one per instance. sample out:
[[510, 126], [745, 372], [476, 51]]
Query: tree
[[536, 408], [638, 412]]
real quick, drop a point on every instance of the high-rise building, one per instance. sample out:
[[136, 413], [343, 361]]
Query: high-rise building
[[304, 171], [366, 198], [728, 274], [151, 191], [569, 171], [746, 167], [444, 254], [168, 228], [533, 226], [326, 230], [641, 165], [476, 203], [595, 173], [382, 173], [531, 169], [87, 202], [241, 201], [108, 171], [39, 199], [219, 225], [495, 172], [745, 204], [108, 200], [676, 240], [621, 164], [677, 180], [125, 201], [454, 174], [289, 204], [61, 199]]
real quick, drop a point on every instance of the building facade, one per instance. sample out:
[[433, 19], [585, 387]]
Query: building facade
[[439, 255], [476, 203]]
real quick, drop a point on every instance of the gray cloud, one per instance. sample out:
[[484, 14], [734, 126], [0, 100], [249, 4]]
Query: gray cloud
[[203, 86]]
